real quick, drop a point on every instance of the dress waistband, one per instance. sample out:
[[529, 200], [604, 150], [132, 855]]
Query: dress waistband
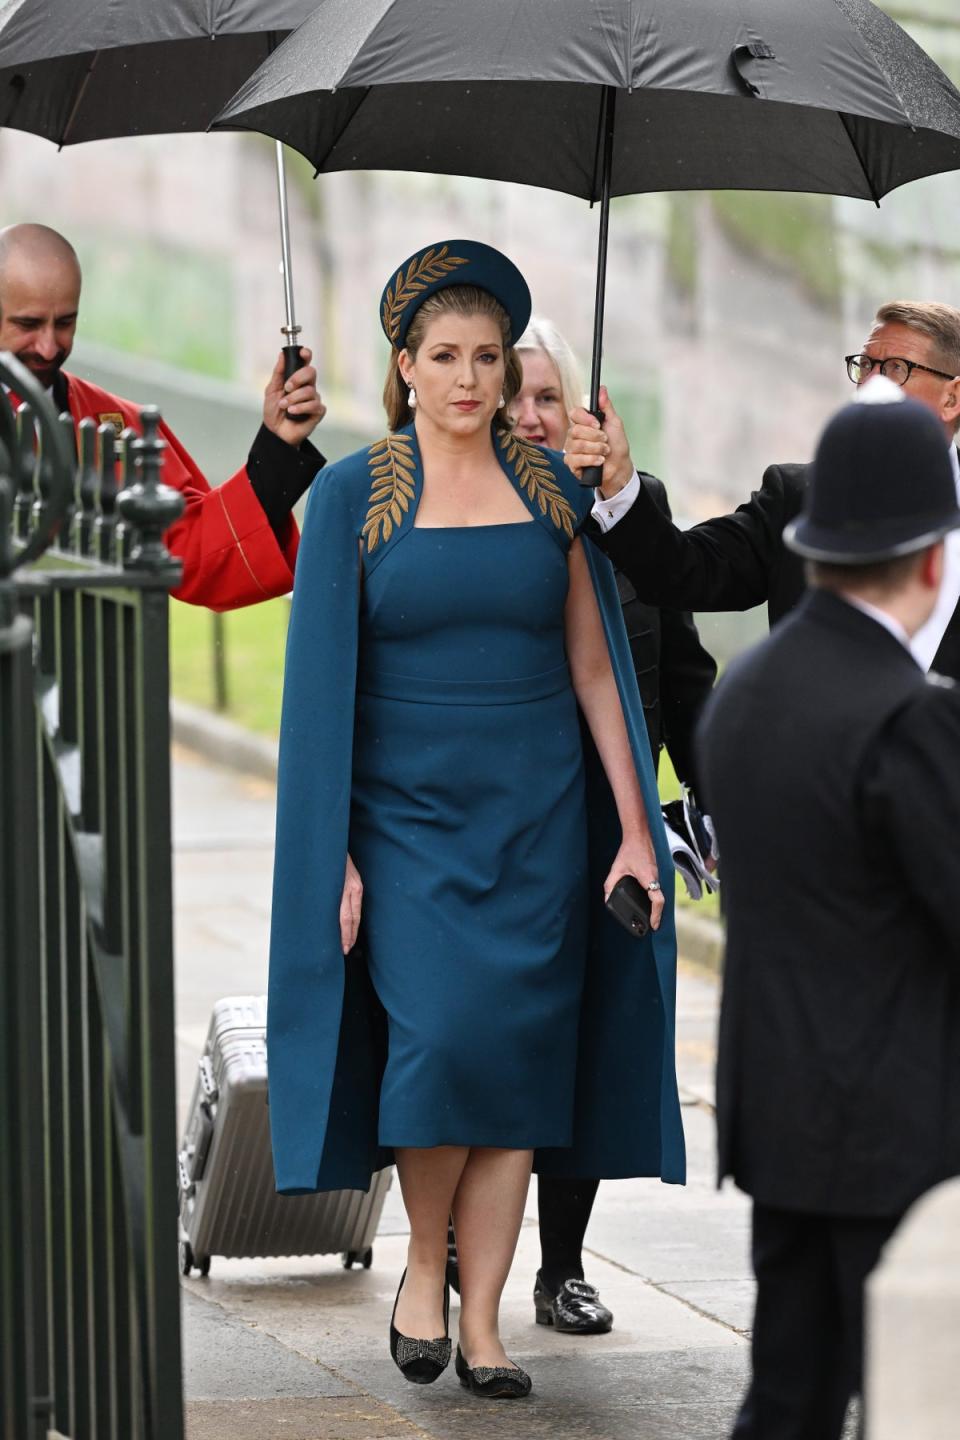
[[371, 681]]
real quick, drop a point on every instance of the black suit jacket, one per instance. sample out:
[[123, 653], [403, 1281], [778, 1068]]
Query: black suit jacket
[[732, 562], [829, 764], [675, 673]]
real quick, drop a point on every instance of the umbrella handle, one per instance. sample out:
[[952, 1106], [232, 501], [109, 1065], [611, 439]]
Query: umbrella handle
[[593, 474], [291, 362]]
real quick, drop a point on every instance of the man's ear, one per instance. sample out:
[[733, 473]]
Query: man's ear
[[950, 409], [931, 569]]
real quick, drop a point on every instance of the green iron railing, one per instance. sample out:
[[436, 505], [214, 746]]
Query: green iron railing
[[89, 1300]]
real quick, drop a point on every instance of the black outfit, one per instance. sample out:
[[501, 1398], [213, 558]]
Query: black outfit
[[732, 562], [279, 475], [829, 763], [675, 674]]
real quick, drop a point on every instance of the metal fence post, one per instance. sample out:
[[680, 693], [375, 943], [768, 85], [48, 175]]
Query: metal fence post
[[89, 1291], [25, 1404]]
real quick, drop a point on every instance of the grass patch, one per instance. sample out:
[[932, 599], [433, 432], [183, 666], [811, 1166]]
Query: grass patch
[[254, 644]]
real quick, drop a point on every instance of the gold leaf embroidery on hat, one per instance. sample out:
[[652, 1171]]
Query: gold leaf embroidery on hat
[[392, 468], [421, 272], [533, 470]]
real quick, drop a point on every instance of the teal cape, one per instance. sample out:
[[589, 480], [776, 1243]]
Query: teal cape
[[326, 1032]]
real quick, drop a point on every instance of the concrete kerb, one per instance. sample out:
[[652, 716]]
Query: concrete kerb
[[222, 741]]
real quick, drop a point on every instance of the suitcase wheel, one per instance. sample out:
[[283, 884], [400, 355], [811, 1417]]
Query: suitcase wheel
[[358, 1257], [189, 1261]]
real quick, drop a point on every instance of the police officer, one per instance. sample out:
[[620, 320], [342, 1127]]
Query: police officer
[[829, 764]]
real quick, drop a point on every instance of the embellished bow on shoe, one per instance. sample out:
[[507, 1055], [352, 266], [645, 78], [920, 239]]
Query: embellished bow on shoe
[[420, 1361], [436, 1351]]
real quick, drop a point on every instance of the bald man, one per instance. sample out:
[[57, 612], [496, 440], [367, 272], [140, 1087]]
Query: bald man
[[238, 541]]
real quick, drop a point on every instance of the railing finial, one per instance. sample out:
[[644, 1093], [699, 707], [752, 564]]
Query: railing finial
[[105, 524], [88, 487], [148, 506]]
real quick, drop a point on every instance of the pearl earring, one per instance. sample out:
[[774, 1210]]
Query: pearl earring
[[412, 398], [502, 401]]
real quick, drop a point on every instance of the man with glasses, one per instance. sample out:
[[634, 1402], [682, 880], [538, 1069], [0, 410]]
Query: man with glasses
[[736, 561]]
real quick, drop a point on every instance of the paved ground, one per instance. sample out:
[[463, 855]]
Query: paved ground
[[298, 1348]]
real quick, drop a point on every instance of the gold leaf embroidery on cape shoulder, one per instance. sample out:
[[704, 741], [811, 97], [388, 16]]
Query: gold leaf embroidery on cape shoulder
[[421, 272], [532, 469], [391, 467]]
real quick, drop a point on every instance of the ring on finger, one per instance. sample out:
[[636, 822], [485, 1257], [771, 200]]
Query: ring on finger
[[653, 887]]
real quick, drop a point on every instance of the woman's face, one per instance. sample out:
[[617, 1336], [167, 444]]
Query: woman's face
[[457, 372], [537, 412]]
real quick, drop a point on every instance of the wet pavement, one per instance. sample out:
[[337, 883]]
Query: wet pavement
[[298, 1348]]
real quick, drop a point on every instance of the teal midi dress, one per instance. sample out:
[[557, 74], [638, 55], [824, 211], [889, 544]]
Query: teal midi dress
[[431, 727]]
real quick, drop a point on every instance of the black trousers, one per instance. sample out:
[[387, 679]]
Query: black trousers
[[808, 1325]]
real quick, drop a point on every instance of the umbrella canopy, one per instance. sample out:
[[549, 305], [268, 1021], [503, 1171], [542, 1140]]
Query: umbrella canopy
[[76, 70], [828, 96], [611, 97]]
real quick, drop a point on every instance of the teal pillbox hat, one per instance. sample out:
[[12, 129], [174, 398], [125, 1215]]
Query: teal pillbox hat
[[454, 262]]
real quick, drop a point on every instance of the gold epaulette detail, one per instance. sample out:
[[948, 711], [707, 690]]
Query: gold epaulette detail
[[421, 272], [391, 465], [535, 475]]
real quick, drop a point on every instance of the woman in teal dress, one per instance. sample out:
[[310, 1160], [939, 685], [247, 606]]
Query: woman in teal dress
[[450, 635]]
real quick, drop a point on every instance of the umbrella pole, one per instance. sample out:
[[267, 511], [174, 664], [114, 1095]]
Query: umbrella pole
[[291, 330], [594, 473]]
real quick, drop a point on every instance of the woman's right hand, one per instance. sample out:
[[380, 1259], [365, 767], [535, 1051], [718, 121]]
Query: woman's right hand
[[351, 903]]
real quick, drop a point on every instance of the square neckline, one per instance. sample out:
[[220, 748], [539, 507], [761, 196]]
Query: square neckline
[[492, 525]]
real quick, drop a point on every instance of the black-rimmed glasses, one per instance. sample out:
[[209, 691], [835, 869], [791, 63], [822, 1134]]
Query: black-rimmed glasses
[[895, 368]]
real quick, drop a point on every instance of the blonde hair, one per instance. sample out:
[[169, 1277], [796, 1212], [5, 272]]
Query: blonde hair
[[465, 300], [542, 334]]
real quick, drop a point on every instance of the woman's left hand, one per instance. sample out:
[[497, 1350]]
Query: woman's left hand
[[636, 857]]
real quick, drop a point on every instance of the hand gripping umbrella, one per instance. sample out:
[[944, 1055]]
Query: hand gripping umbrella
[[76, 70], [829, 96]]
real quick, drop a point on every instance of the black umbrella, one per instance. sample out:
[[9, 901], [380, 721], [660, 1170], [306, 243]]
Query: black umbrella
[[611, 97], [77, 70]]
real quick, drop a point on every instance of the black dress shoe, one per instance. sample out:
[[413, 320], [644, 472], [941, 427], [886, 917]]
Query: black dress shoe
[[574, 1310], [421, 1361], [493, 1382]]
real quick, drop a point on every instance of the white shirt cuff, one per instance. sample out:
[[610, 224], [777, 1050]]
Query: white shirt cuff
[[608, 512]]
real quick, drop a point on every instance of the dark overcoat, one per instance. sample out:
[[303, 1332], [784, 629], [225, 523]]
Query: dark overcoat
[[675, 673], [730, 562], [829, 764]]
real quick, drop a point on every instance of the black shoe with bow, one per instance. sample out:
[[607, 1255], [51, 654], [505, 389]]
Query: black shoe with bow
[[574, 1309], [493, 1382], [421, 1361]]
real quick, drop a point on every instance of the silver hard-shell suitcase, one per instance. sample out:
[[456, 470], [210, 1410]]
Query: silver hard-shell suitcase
[[228, 1201]]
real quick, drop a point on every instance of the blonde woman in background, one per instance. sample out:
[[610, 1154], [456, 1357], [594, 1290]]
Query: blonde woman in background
[[675, 675]]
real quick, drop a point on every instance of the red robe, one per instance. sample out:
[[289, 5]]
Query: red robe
[[231, 557]]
